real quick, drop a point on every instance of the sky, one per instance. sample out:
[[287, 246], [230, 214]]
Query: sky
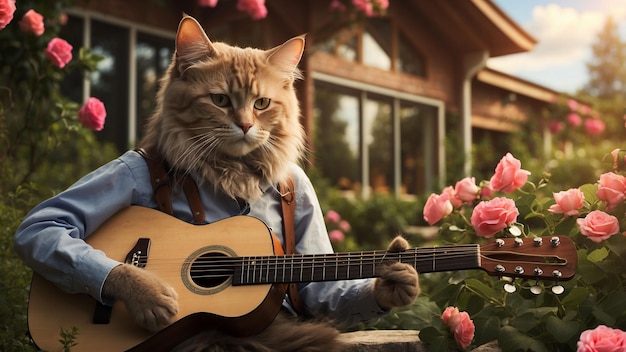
[[565, 31]]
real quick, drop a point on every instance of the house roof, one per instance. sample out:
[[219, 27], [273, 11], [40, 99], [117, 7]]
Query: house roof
[[517, 85], [473, 25]]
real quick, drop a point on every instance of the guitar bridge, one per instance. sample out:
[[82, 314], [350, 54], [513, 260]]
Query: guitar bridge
[[138, 256]]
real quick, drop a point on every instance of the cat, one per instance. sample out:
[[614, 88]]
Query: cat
[[229, 116], [237, 148]]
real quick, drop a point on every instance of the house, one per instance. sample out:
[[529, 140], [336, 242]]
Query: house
[[376, 94]]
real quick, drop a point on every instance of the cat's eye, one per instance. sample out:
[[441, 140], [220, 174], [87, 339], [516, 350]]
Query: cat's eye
[[262, 103], [221, 100]]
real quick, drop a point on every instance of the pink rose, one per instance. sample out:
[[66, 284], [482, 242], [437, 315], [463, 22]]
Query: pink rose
[[466, 189], [344, 226], [494, 215], [332, 216], [437, 207], [568, 202], [486, 192], [92, 114], [572, 104], [556, 126], [7, 9], [59, 52], [611, 188], [574, 119], [255, 8], [337, 5], [598, 225], [615, 155], [460, 324], [602, 339], [456, 202], [207, 3], [336, 236], [594, 127], [32, 22], [584, 109], [364, 6], [509, 175]]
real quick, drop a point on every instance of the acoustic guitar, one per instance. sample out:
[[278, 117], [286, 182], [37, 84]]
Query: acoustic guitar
[[232, 275]]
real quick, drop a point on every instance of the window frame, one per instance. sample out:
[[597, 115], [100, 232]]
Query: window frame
[[434, 176]]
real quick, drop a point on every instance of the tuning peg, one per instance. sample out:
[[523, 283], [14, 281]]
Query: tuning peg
[[536, 288], [510, 286], [558, 289]]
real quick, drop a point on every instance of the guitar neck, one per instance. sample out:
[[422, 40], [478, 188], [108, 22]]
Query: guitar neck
[[347, 266]]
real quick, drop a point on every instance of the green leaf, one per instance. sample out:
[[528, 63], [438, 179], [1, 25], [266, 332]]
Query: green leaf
[[524, 322], [511, 340], [598, 255], [589, 190], [481, 289], [436, 340], [575, 297], [562, 331]]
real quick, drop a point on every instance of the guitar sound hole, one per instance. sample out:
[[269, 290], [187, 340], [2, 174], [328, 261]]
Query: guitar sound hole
[[211, 269]]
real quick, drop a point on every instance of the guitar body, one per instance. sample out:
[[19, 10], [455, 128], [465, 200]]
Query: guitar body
[[173, 245]]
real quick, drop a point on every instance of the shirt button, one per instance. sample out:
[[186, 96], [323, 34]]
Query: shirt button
[[87, 289]]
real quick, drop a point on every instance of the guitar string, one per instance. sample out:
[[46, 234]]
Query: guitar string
[[225, 266]]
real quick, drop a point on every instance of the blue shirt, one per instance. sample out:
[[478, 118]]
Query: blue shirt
[[50, 239]]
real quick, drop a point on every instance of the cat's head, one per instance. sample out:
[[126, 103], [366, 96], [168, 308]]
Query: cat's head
[[229, 115]]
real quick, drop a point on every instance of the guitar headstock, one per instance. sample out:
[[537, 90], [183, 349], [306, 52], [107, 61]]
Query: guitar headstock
[[540, 258]]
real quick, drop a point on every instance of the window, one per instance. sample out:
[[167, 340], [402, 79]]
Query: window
[[372, 46], [153, 56], [109, 82], [368, 139], [126, 79]]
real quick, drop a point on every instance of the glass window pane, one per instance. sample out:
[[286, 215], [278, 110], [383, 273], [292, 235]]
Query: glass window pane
[[336, 137], [72, 85], [153, 55], [417, 146], [409, 60], [378, 129], [373, 53], [348, 49], [110, 82]]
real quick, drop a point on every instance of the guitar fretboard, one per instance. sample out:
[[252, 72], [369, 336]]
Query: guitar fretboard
[[336, 266]]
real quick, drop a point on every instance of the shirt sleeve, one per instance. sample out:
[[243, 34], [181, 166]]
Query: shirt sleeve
[[345, 302], [51, 238]]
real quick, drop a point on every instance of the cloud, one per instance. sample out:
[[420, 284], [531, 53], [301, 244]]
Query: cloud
[[564, 37]]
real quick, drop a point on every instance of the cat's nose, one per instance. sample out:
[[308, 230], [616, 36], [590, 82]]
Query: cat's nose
[[245, 127]]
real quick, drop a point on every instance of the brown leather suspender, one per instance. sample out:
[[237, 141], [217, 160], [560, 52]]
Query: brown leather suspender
[[160, 178], [288, 204], [160, 175]]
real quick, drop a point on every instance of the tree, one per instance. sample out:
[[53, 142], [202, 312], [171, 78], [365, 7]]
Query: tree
[[607, 72], [607, 79]]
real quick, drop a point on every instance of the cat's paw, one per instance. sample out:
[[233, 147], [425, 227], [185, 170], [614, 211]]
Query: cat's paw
[[152, 302], [398, 284]]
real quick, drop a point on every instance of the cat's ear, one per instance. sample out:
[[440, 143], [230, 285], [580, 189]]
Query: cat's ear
[[192, 43], [288, 55]]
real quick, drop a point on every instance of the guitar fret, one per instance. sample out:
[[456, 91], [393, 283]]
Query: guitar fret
[[361, 266], [301, 267]]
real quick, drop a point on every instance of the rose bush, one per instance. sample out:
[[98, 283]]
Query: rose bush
[[589, 315], [43, 147]]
